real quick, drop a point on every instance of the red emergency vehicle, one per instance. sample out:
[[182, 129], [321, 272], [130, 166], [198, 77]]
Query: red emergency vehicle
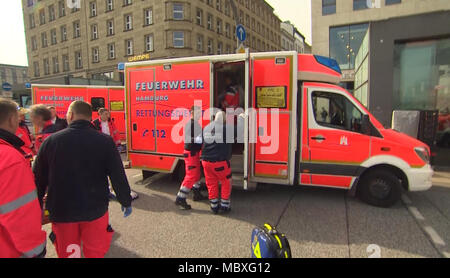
[[308, 130], [61, 96]]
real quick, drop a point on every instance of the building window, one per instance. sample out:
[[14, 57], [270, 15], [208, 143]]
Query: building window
[[95, 55], [148, 43], [93, 7], [78, 60], [209, 2], [41, 17], [228, 49], [53, 36], [227, 8], [178, 39], [392, 2], [128, 21], [51, 13], [110, 27], [32, 21], [178, 13], [63, 33], [62, 8], [94, 32], [210, 22], [227, 30], [219, 26], [76, 29], [111, 51], [46, 66], [109, 5], [148, 16], [44, 39], [34, 45], [129, 47], [210, 47], [360, 5], [127, 2], [328, 7], [65, 60], [345, 42], [199, 43], [199, 17], [219, 5], [219, 48], [55, 64], [36, 69]]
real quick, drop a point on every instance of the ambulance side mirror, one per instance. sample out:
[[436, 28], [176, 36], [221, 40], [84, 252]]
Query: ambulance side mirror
[[365, 124]]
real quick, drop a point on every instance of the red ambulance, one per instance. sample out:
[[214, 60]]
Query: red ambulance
[[61, 96], [301, 128]]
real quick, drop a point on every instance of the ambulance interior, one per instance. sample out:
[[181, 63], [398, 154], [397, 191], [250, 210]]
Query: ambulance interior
[[236, 72]]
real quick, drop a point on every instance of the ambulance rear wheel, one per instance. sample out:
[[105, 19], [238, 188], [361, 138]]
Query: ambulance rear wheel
[[179, 172], [380, 188]]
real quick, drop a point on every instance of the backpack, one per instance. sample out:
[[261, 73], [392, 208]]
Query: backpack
[[267, 242]]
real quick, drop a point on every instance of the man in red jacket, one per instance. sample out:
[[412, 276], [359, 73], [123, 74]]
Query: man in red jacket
[[41, 118], [105, 125], [21, 233]]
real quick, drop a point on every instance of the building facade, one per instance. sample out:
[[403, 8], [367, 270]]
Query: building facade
[[89, 38], [15, 78], [339, 26], [291, 38]]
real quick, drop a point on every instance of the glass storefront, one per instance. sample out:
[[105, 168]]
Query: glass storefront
[[345, 42], [422, 82]]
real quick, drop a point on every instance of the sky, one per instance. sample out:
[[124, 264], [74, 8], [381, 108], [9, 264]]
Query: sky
[[12, 34]]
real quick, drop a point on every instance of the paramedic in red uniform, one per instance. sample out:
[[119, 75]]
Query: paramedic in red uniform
[[24, 134], [230, 97], [41, 118], [192, 147], [21, 233], [59, 123], [74, 165], [216, 155]]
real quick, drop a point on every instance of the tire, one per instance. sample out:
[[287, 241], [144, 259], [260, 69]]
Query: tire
[[179, 172], [380, 188]]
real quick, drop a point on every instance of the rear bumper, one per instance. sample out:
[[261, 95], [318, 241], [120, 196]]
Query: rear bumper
[[420, 178]]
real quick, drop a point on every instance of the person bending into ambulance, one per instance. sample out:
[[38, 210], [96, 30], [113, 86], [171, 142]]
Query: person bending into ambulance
[[230, 96], [192, 146], [41, 118], [216, 155]]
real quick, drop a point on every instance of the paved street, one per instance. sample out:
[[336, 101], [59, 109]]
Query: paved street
[[318, 222]]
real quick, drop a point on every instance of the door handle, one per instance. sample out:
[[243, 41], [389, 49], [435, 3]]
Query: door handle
[[318, 138], [135, 127]]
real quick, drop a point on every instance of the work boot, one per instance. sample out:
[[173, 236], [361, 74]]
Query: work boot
[[198, 196], [215, 210], [225, 210], [182, 204]]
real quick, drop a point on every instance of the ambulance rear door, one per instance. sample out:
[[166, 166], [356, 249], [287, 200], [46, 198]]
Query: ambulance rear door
[[117, 108], [274, 100]]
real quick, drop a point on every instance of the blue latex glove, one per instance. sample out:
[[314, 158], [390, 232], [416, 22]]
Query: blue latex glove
[[126, 211]]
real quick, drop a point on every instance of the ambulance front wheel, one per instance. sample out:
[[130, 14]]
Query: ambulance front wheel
[[380, 188]]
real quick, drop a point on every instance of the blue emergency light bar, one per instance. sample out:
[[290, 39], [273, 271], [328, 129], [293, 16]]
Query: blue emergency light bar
[[328, 62]]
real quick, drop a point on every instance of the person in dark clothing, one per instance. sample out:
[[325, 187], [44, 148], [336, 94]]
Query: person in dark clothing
[[73, 165], [192, 147], [59, 123], [216, 155]]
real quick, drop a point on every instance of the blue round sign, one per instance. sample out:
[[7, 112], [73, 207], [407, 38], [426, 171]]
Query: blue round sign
[[241, 34], [6, 86]]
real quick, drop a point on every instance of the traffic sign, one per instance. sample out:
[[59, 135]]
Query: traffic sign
[[241, 34], [240, 49], [6, 86]]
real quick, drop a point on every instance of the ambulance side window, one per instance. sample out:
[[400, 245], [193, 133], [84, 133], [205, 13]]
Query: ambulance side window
[[336, 111], [97, 103]]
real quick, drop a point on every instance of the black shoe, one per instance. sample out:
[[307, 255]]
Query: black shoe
[[181, 203], [215, 210], [225, 210], [198, 196]]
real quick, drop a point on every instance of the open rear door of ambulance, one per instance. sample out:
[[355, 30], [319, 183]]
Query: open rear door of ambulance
[[274, 121]]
